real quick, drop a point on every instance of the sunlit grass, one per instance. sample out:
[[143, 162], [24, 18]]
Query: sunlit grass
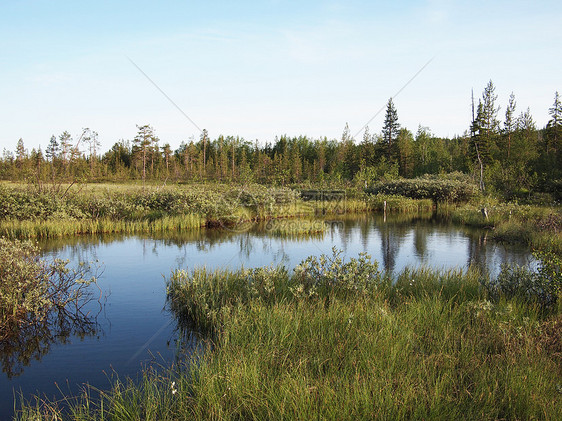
[[42, 229], [319, 344], [537, 226]]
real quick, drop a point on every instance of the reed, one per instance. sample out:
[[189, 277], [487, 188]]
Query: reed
[[42, 229]]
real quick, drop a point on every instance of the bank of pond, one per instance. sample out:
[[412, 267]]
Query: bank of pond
[[56, 211]]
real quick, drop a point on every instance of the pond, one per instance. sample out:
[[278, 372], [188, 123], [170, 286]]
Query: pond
[[134, 330]]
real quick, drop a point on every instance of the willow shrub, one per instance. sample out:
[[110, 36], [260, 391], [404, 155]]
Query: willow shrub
[[32, 290], [451, 188], [543, 287]]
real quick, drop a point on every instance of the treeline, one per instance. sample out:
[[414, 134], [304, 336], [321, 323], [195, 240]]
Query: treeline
[[512, 156]]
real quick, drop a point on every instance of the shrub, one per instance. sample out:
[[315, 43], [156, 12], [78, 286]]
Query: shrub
[[452, 188], [34, 291], [543, 286], [396, 203], [326, 275]]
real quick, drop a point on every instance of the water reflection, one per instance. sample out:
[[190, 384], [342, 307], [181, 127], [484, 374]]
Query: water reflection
[[396, 241], [33, 340], [137, 330]]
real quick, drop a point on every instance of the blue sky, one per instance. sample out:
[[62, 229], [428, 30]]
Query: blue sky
[[262, 69]]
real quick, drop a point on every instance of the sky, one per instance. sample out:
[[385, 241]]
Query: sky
[[261, 69]]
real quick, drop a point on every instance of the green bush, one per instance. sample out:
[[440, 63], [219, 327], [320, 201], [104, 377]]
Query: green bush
[[327, 275], [34, 291], [543, 286], [451, 188]]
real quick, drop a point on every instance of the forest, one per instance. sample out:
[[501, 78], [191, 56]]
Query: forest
[[503, 149]]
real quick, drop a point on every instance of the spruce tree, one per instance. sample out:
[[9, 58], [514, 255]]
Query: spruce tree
[[390, 130], [510, 123], [555, 123]]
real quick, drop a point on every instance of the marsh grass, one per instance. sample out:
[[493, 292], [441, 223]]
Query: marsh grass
[[27, 212], [295, 227], [42, 229], [537, 226], [100, 209], [339, 340], [395, 203]]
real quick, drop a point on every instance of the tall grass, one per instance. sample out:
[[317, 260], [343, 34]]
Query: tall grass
[[339, 340], [43, 229]]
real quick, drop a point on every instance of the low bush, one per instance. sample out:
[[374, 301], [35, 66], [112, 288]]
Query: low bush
[[395, 203], [453, 188], [543, 286], [34, 291]]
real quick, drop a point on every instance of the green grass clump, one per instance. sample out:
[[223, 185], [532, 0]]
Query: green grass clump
[[425, 358], [51, 228], [295, 227], [30, 213]]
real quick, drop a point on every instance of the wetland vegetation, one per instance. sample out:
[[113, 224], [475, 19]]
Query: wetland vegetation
[[340, 339], [333, 338]]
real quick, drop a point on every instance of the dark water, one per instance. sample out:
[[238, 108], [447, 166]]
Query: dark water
[[133, 329]]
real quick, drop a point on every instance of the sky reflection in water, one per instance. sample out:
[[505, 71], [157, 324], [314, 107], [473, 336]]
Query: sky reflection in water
[[134, 329]]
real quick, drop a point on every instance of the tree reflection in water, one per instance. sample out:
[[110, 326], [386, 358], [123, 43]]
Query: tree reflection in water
[[71, 309], [33, 340]]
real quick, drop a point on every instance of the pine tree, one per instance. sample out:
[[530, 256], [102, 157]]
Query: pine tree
[[555, 112], [142, 142], [476, 140], [91, 138], [204, 139], [65, 140], [154, 150], [405, 142], [52, 150], [21, 153], [167, 151], [489, 112], [368, 148]]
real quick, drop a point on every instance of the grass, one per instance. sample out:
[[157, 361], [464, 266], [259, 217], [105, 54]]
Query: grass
[[29, 229], [399, 204], [537, 226], [130, 209], [340, 340], [295, 227]]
